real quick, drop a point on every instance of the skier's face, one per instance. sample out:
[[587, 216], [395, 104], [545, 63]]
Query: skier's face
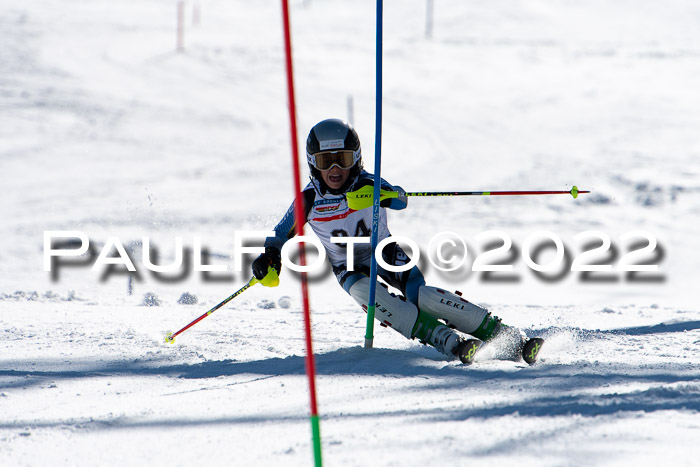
[[335, 177]]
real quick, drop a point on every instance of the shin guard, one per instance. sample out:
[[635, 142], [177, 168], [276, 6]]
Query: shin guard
[[390, 310], [456, 311]]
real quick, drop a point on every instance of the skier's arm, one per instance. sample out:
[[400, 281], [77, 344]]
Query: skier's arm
[[284, 230]]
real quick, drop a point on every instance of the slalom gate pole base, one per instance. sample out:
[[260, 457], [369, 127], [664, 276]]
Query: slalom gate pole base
[[316, 435]]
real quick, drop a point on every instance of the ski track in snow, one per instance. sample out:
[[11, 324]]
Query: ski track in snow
[[104, 128]]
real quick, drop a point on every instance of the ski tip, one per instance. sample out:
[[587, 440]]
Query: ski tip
[[467, 350], [532, 349], [169, 339]]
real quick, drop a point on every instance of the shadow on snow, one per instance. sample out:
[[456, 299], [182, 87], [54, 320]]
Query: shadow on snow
[[582, 388]]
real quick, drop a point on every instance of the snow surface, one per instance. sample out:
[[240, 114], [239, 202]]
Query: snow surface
[[107, 130]]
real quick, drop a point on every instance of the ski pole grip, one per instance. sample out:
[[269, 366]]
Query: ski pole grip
[[364, 197], [271, 279]]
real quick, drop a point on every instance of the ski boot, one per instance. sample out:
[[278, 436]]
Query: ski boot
[[431, 331]]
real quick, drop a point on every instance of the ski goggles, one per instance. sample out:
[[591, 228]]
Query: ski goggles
[[327, 159]]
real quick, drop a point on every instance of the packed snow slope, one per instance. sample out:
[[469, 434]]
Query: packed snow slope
[[107, 130]]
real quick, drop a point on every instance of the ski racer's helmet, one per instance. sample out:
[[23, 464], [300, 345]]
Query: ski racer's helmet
[[333, 142]]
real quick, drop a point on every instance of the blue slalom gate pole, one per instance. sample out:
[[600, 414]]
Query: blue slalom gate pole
[[369, 334]]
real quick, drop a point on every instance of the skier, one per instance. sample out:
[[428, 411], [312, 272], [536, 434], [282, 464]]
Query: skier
[[428, 313]]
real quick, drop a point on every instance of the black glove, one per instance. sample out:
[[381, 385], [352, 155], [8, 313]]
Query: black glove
[[271, 257]]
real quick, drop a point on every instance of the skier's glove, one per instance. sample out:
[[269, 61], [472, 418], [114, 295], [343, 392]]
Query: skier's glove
[[267, 266], [395, 202]]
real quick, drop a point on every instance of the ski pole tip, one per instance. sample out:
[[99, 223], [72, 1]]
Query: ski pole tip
[[169, 338]]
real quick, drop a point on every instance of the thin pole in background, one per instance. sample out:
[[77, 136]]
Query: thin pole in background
[[429, 19], [180, 46], [351, 110], [299, 214]]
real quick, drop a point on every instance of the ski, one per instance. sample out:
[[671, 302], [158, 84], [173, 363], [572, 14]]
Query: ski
[[528, 350], [531, 349], [467, 350]]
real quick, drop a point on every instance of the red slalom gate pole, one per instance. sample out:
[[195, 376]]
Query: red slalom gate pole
[[299, 214]]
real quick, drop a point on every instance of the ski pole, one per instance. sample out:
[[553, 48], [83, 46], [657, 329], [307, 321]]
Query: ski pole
[[270, 280], [362, 198]]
